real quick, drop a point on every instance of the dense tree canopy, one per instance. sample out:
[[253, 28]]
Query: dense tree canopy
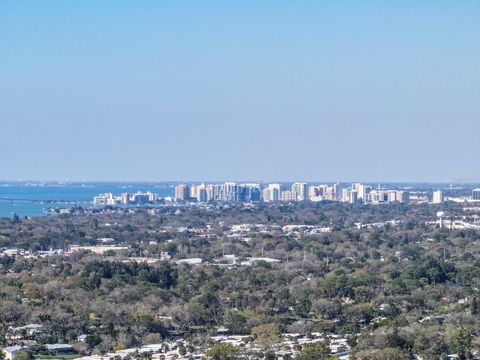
[[404, 289]]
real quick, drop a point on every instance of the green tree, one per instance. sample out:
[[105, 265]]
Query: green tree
[[269, 356], [389, 354], [315, 351], [3, 333], [223, 352], [474, 309], [182, 350], [142, 356], [24, 355], [93, 340], [395, 340], [144, 318], [15, 219], [461, 342], [266, 335]]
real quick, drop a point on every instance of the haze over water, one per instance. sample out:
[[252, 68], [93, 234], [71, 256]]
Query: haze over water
[[16, 198]]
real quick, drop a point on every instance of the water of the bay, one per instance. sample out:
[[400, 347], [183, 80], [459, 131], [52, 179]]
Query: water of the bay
[[34, 199]]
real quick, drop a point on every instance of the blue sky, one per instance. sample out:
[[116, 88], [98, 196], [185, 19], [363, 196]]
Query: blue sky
[[243, 90]]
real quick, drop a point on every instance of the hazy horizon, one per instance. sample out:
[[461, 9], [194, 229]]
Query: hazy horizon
[[22, 181], [297, 91]]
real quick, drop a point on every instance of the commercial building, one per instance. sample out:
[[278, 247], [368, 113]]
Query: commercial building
[[363, 192], [437, 197], [193, 191], [403, 196], [210, 192], [250, 192], [300, 191], [125, 198], [272, 192], [314, 191], [476, 194], [140, 198], [288, 195], [337, 192], [353, 196], [202, 194], [104, 199], [345, 195], [266, 195], [230, 192], [182, 192], [152, 197]]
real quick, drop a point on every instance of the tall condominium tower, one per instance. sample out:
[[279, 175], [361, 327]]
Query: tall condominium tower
[[300, 191], [437, 197], [182, 192]]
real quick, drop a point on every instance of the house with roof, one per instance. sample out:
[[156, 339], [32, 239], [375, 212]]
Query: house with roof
[[11, 351], [59, 348], [28, 330]]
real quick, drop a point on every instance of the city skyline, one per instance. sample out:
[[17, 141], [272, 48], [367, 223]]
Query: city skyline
[[289, 192]]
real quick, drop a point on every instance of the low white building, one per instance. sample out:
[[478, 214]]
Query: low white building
[[11, 351], [28, 330]]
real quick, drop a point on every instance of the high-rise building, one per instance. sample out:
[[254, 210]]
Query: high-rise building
[[288, 195], [249, 192], [104, 199], [202, 193], [403, 196], [366, 193], [210, 192], [329, 192], [140, 198], [266, 195], [376, 196], [476, 194], [356, 187], [353, 196], [152, 197], [300, 191], [392, 196], [193, 191], [125, 198], [313, 191], [337, 191], [230, 192], [218, 192], [437, 197], [345, 195], [182, 192], [322, 189], [255, 194], [272, 192], [363, 191]]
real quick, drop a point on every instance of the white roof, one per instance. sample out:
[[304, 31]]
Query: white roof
[[27, 327], [10, 349], [192, 261], [58, 346]]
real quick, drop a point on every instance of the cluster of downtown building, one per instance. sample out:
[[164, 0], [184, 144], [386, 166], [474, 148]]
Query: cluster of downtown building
[[233, 192], [275, 192], [126, 198]]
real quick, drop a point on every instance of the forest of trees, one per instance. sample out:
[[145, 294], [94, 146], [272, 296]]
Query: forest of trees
[[393, 291]]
